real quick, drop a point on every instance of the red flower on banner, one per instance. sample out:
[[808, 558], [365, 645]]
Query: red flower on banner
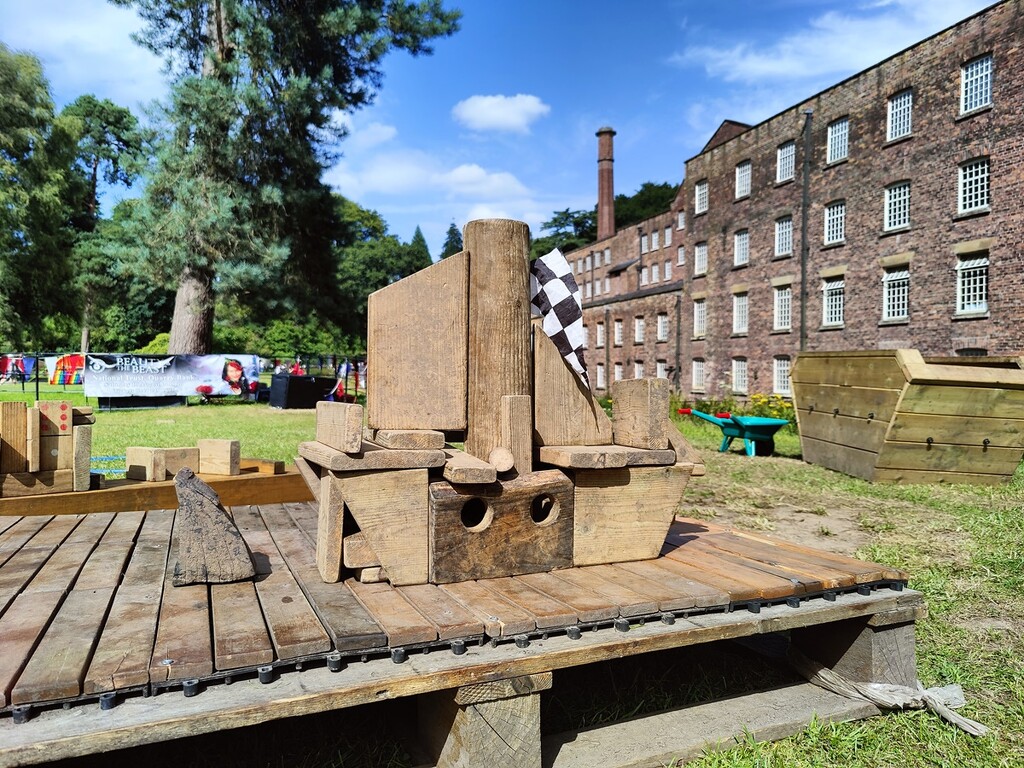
[[204, 389]]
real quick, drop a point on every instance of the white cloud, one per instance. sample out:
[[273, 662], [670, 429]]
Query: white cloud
[[472, 181], [513, 114]]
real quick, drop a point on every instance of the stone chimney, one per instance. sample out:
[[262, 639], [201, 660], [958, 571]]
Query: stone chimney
[[605, 184]]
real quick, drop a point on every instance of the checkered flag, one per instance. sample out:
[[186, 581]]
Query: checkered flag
[[554, 292]]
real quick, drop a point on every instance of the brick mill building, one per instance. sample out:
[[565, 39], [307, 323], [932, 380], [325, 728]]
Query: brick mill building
[[884, 212]]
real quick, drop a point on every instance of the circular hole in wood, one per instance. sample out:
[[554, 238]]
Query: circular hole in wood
[[544, 509], [476, 515]]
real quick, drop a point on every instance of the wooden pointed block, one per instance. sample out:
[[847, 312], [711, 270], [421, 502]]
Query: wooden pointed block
[[640, 413], [210, 548], [340, 425]]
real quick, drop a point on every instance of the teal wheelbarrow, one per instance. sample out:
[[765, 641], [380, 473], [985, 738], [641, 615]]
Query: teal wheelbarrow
[[757, 432]]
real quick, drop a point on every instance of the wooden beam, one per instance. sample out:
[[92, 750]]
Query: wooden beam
[[640, 413], [340, 425]]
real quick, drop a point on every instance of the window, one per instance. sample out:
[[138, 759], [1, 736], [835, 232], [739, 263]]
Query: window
[[785, 161], [579, 266], [739, 313], [897, 205], [838, 140], [974, 188], [681, 255], [743, 179], [784, 236], [638, 370], [780, 376], [896, 293], [700, 196], [833, 290], [700, 318], [662, 370], [662, 326], [617, 331], [668, 271], [643, 244], [741, 248], [586, 263], [681, 220], [643, 276], [976, 84], [668, 237], [739, 374], [600, 334], [655, 240], [898, 123], [783, 308], [618, 372], [607, 284], [586, 336], [601, 383], [638, 330], [835, 222], [972, 284], [597, 287], [607, 256], [697, 375], [655, 273], [588, 288], [700, 259]]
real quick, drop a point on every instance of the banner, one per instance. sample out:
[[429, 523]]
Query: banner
[[66, 369], [15, 368], [164, 375]]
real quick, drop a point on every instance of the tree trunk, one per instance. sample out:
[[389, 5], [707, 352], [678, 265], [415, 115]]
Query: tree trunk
[[192, 324]]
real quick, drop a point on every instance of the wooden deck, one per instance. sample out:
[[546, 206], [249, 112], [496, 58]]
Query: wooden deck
[[89, 620]]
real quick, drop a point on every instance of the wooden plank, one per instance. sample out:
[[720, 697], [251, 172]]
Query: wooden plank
[[294, 627], [340, 425], [586, 604], [547, 612], [13, 437], [125, 647], [565, 412], [858, 402], [517, 526], [624, 514], [391, 510], [16, 535], [32, 444], [498, 354], [450, 618], [516, 420], [853, 432], [878, 369], [402, 623], [350, 626], [145, 463], [262, 466], [406, 439], [23, 565], [240, 637], [416, 378], [972, 402], [666, 596], [604, 456], [977, 459], [500, 617], [311, 473], [640, 413], [372, 457], [842, 458], [461, 468], [698, 592], [908, 476], [21, 627], [106, 563], [356, 552], [81, 443], [714, 569], [34, 483], [629, 602], [373, 574], [1000, 430], [219, 457], [305, 516]]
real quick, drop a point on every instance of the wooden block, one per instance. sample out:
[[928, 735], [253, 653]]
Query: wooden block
[[81, 439], [143, 463], [517, 431], [33, 483], [461, 468], [565, 412], [624, 514], [501, 459], [417, 378], [371, 457], [340, 425], [55, 417], [13, 437], [373, 574], [329, 529], [56, 452], [603, 456], [219, 457], [640, 413], [390, 509], [406, 439], [261, 466], [178, 458], [523, 525], [311, 473], [32, 444], [356, 552], [499, 326]]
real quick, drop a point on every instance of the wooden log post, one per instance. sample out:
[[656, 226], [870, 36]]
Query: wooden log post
[[487, 724], [499, 327]]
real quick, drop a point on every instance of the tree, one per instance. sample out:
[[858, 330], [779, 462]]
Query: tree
[[420, 249], [649, 200], [452, 241], [236, 201], [568, 230]]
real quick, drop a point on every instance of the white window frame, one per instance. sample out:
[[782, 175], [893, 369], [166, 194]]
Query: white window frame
[[780, 376], [644, 243], [838, 147], [655, 240], [601, 383], [668, 237], [587, 262], [639, 326], [643, 276], [661, 369], [662, 326], [743, 172], [655, 273], [697, 374], [740, 312], [833, 301], [974, 189], [700, 196], [667, 273], [638, 369], [617, 331], [896, 293], [700, 318], [586, 336], [617, 372], [681, 256], [740, 383], [607, 256], [681, 220], [782, 308], [976, 84], [700, 259], [784, 236], [597, 287], [741, 248], [899, 117], [835, 222], [785, 162], [972, 284], [600, 335], [897, 206], [607, 284], [587, 289]]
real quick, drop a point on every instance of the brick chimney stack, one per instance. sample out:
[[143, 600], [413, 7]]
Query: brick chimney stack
[[605, 184]]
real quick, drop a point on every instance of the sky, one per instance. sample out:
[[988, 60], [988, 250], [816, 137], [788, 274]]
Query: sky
[[500, 120]]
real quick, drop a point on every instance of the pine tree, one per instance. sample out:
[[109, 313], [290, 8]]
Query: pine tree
[[452, 241]]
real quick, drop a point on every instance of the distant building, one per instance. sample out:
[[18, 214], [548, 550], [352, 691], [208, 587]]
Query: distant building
[[884, 212]]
